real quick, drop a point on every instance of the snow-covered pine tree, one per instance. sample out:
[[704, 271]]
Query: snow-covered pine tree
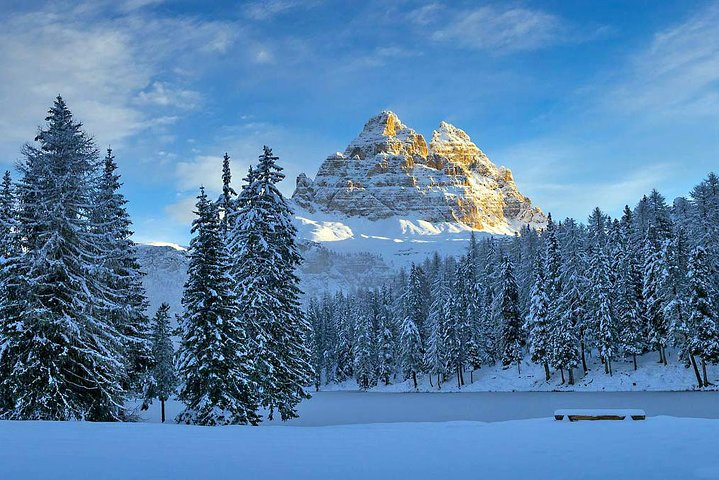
[[317, 339], [653, 274], [539, 323], [9, 246], [62, 359], [215, 356], [511, 321], [121, 275], [703, 320], [385, 339], [411, 348], [629, 292], [163, 375], [705, 220], [418, 299], [364, 354], [9, 257], [603, 314], [434, 357], [227, 200], [265, 259]]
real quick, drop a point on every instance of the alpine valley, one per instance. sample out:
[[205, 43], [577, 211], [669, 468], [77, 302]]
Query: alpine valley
[[387, 200]]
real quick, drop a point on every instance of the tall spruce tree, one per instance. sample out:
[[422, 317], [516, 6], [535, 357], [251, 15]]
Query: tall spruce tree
[[265, 259], [539, 324], [215, 362], [411, 348], [653, 275], [163, 375], [227, 200], [511, 321], [121, 275], [62, 358], [703, 320]]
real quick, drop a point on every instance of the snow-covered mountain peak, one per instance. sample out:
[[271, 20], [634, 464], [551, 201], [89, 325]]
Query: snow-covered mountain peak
[[388, 171], [385, 133]]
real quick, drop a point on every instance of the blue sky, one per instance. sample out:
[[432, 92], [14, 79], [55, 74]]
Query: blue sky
[[589, 103]]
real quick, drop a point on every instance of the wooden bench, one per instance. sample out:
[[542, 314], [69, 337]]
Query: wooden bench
[[575, 415]]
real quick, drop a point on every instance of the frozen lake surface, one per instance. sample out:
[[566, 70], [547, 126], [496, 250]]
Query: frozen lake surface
[[348, 408], [338, 408]]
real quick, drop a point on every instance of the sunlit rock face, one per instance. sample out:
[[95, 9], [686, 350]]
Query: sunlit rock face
[[389, 170]]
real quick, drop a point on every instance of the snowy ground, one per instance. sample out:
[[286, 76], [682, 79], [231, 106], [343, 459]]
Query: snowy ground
[[650, 376], [658, 448]]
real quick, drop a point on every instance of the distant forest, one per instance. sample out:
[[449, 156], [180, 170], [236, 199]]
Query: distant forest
[[617, 287]]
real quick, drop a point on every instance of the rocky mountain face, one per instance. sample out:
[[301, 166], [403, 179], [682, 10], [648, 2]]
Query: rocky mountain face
[[389, 170]]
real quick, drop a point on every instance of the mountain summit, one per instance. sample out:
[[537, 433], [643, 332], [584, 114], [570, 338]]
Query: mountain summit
[[390, 171]]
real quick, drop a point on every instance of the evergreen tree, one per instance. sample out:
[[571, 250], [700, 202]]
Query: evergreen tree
[[227, 201], [163, 376], [385, 340], [9, 246], [265, 260], [704, 340], [629, 293], [411, 348], [653, 293], [121, 276], [61, 358], [539, 321], [215, 361], [364, 355], [511, 321]]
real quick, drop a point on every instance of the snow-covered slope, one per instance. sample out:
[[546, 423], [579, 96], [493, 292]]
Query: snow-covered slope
[[323, 269]]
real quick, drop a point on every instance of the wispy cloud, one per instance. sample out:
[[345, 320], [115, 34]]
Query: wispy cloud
[[267, 9], [492, 28], [676, 75], [111, 70]]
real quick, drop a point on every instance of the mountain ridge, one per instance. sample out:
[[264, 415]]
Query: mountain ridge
[[389, 170]]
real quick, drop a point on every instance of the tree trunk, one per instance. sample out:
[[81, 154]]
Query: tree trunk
[[519, 367], [634, 359], [471, 376], [414, 379], [606, 366], [461, 374], [459, 379], [584, 357], [571, 376], [430, 379], [664, 356], [609, 362], [696, 371], [704, 371], [561, 370], [546, 371], [162, 402]]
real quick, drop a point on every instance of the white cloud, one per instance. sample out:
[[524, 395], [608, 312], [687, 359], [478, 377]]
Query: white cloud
[[267, 9], [677, 75], [182, 211], [164, 95], [425, 14], [490, 28], [106, 67]]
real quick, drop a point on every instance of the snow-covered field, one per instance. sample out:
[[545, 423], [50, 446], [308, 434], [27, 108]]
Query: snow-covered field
[[658, 448]]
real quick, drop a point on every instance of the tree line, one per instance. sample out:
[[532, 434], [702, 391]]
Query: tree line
[[75, 340], [614, 287]]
